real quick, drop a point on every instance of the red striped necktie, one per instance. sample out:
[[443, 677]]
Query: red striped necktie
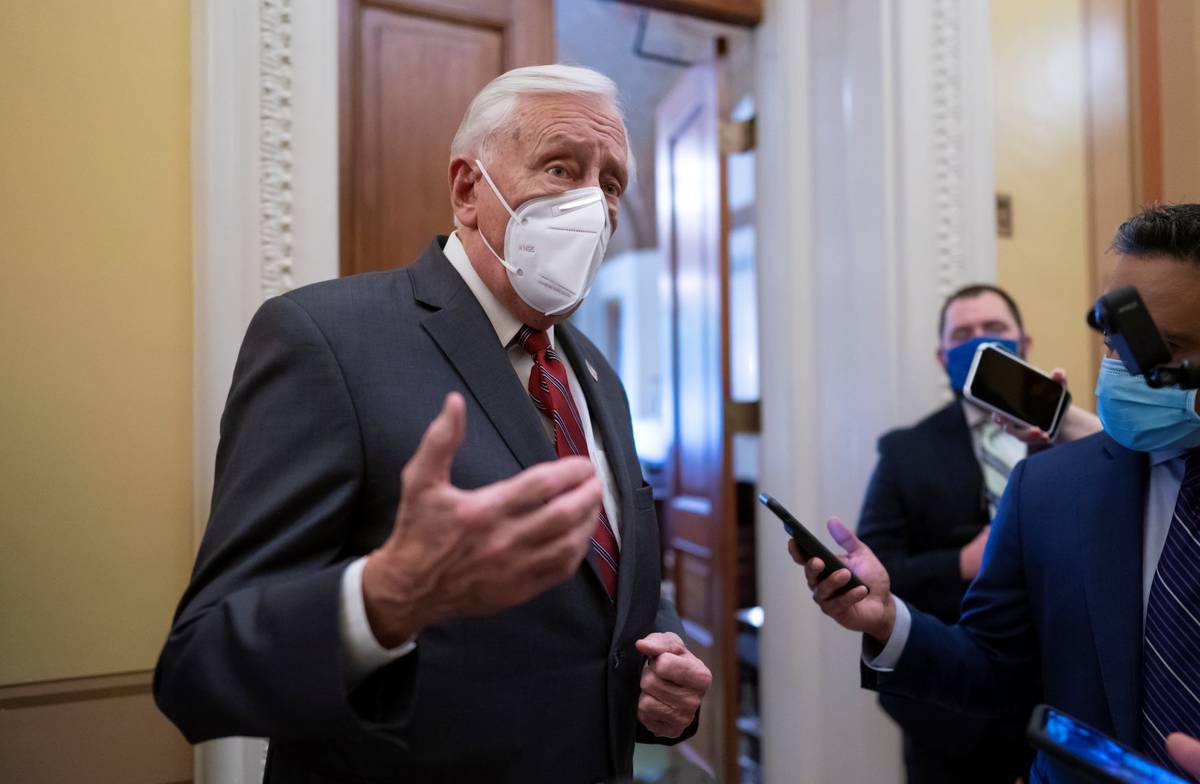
[[551, 393]]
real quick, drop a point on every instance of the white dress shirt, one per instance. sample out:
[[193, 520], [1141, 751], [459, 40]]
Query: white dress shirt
[[363, 652], [1166, 477]]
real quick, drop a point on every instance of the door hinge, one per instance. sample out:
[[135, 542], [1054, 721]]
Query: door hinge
[[743, 417], [737, 136]]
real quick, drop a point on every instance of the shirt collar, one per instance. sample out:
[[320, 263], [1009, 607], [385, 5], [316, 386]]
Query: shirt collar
[[1161, 456], [505, 323], [975, 415]]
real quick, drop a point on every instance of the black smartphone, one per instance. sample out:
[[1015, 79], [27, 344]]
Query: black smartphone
[[1008, 385], [1088, 750], [810, 545]]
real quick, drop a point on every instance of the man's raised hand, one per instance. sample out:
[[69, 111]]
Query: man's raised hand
[[455, 553]]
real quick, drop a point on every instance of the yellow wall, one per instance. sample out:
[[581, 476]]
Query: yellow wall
[[1040, 142], [95, 333]]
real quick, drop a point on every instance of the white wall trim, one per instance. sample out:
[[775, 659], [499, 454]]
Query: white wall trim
[[264, 212], [275, 97], [874, 202]]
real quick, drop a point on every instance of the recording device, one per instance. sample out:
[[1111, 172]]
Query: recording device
[[1122, 318], [810, 546], [1007, 385], [1090, 751]]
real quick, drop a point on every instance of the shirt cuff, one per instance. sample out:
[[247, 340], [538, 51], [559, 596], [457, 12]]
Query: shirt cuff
[[886, 660], [363, 653]]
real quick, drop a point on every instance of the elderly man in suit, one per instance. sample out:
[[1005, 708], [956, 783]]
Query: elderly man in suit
[[1087, 595], [431, 555]]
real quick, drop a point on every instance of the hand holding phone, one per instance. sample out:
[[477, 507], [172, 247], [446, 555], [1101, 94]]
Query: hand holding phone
[[866, 604], [1005, 384], [810, 546]]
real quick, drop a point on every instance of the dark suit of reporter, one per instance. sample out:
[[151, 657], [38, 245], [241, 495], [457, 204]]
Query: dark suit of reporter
[[926, 516], [1056, 612], [346, 529]]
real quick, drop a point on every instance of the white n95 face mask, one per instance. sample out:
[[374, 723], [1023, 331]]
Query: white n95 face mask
[[553, 246]]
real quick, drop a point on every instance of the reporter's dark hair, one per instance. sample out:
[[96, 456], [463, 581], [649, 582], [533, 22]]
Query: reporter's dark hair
[[1161, 230], [973, 290]]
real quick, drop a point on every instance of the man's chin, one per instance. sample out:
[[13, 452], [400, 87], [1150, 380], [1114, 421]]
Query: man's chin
[[546, 321]]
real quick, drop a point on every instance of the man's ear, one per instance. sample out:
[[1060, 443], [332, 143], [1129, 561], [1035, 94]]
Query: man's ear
[[941, 357], [1026, 345], [463, 178]]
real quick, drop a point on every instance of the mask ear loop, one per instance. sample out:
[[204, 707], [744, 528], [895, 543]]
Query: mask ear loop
[[495, 190]]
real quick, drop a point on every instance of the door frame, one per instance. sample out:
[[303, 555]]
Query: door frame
[[522, 23], [264, 171]]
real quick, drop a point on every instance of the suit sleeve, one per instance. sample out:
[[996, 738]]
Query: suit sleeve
[[987, 664], [255, 645], [928, 579]]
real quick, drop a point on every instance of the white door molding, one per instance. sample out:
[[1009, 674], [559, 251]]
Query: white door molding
[[264, 213], [874, 202]]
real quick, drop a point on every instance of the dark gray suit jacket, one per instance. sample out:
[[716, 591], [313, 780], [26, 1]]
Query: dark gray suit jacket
[[333, 388]]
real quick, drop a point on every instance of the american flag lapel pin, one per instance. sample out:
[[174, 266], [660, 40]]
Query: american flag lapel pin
[[592, 371]]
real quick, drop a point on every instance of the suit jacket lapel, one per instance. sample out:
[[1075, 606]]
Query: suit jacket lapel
[[461, 329], [1110, 521], [599, 408]]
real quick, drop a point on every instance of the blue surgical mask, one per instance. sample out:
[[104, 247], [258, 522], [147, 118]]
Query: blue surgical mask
[[1142, 418], [959, 358]]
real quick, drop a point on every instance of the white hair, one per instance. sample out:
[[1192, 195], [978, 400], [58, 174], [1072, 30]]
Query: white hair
[[491, 110]]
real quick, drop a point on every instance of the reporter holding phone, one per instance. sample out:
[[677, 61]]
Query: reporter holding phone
[[926, 515], [1087, 594]]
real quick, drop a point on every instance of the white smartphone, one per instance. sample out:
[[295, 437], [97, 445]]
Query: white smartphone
[[1006, 384]]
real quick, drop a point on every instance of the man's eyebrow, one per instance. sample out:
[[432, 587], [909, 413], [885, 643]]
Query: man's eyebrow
[[555, 142]]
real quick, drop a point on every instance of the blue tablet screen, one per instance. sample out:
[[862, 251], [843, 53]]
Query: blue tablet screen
[[1104, 752]]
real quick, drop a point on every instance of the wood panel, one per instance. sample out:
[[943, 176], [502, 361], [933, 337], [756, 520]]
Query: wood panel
[[700, 532], [739, 12], [408, 70], [99, 730], [1178, 48], [1149, 138], [1109, 123]]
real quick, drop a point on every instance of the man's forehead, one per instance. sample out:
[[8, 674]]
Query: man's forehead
[[564, 119], [1169, 287], [985, 306]]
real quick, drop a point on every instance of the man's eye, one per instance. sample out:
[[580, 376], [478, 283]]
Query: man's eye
[[557, 171], [612, 189]]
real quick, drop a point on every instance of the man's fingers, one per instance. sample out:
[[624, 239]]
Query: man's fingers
[[659, 643], [682, 701], [827, 587], [537, 485], [812, 571], [655, 710], [1185, 751], [843, 536], [572, 512], [568, 512], [435, 454], [840, 606], [684, 671]]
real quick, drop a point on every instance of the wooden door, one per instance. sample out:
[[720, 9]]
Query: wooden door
[[408, 69], [700, 545]]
